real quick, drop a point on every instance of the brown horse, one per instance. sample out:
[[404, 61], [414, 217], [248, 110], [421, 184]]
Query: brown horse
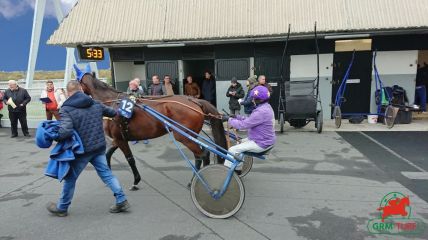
[[187, 111]]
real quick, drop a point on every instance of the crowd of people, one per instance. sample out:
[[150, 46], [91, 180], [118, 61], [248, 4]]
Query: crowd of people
[[16, 98]]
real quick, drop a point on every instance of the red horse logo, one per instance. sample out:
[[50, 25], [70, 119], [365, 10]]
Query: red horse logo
[[395, 206]]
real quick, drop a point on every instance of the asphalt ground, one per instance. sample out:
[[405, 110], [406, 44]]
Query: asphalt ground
[[312, 186]]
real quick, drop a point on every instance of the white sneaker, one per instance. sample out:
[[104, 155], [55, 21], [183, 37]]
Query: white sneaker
[[227, 163]]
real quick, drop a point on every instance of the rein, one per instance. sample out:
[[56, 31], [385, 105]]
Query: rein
[[182, 104], [168, 101]]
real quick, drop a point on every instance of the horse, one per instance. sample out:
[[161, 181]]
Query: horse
[[187, 111]]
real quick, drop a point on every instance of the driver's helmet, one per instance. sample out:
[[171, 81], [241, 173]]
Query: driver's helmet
[[260, 93]]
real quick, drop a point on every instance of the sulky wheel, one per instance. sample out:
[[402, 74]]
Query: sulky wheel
[[389, 116], [281, 122], [337, 115], [319, 122], [247, 165], [228, 204]]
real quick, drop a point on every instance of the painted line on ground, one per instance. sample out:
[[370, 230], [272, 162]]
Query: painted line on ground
[[416, 175], [393, 153]]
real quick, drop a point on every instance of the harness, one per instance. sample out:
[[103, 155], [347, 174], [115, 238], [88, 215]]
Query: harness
[[123, 122]]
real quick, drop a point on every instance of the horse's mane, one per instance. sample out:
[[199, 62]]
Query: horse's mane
[[98, 84]]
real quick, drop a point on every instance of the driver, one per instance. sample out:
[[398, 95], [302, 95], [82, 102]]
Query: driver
[[260, 124]]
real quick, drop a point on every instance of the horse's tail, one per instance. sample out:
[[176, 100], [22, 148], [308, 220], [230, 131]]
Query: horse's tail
[[216, 125]]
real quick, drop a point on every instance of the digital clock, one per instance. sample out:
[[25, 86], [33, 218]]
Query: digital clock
[[91, 53]]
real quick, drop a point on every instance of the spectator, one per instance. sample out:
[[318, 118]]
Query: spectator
[[234, 93], [142, 88], [156, 89], [191, 88], [168, 85], [134, 89], [17, 99], [82, 114], [208, 88], [1, 106], [247, 102], [56, 98], [262, 82]]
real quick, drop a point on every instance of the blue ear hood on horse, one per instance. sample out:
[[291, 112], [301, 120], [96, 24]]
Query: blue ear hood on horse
[[79, 73], [88, 68]]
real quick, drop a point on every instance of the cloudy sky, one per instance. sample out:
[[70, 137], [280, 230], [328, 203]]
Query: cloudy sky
[[16, 19]]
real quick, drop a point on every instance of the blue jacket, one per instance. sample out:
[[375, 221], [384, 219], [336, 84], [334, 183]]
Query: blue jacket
[[64, 151], [85, 115], [248, 103]]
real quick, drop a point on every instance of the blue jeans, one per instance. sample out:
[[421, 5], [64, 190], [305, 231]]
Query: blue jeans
[[99, 161]]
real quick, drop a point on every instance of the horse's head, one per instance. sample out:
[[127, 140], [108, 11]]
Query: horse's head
[[86, 83], [85, 78], [95, 88]]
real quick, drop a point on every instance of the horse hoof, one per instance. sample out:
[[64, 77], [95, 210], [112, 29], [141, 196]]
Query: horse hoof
[[134, 188]]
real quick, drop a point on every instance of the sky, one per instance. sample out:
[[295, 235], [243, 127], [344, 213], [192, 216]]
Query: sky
[[16, 22]]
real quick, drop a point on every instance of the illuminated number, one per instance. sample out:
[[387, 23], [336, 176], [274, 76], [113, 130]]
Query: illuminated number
[[100, 53], [95, 53], [88, 53]]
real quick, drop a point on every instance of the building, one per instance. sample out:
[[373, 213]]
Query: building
[[239, 38]]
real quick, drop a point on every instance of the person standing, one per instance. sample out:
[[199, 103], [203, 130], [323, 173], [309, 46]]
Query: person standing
[[134, 89], [208, 88], [84, 115], [169, 88], [16, 98], [247, 102], [56, 98], [140, 87], [262, 82], [191, 88], [156, 89], [235, 92], [1, 106]]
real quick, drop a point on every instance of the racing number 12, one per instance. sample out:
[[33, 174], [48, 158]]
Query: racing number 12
[[127, 106]]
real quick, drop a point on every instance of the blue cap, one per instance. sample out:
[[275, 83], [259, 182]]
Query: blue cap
[[80, 73]]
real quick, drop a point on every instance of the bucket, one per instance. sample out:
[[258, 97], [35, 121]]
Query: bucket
[[372, 118]]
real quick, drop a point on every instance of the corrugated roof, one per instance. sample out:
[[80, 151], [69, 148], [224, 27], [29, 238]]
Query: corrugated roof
[[150, 21]]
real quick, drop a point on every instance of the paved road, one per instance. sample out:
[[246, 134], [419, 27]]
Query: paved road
[[313, 186]]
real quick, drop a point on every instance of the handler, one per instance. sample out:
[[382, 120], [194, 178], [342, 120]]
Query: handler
[[261, 132], [84, 115]]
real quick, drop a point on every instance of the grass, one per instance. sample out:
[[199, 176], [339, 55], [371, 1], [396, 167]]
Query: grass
[[44, 75]]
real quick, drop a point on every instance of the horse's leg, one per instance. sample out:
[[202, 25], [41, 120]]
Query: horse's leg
[[109, 153], [123, 145], [206, 157]]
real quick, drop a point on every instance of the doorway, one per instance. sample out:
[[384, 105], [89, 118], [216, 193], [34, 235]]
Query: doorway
[[357, 93], [196, 69]]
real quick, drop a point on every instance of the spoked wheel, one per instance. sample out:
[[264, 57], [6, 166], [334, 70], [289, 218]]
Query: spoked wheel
[[337, 115], [228, 204], [319, 122], [281, 122], [247, 165], [389, 116]]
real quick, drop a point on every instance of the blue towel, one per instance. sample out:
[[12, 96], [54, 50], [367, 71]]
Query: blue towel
[[64, 151]]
